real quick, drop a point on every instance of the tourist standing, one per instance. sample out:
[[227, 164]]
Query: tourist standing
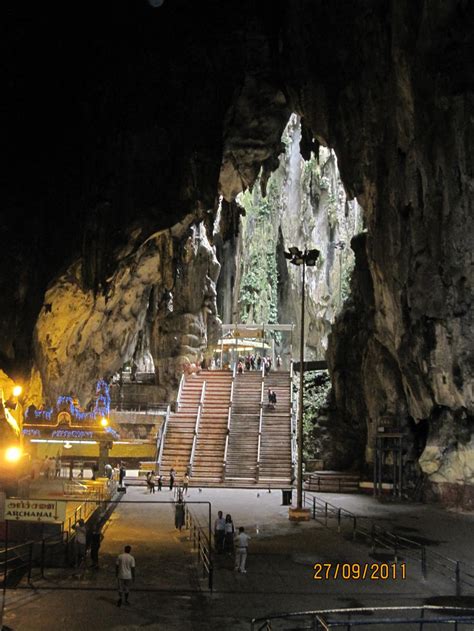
[[125, 573], [219, 532], [228, 534], [150, 482], [80, 541], [172, 478], [185, 483], [95, 540], [179, 514], [108, 471], [241, 548], [160, 482], [57, 466], [122, 474]]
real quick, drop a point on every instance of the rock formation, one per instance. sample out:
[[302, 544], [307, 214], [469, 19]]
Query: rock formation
[[127, 117], [169, 278]]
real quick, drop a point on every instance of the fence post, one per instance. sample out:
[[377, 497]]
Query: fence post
[[458, 579], [395, 550], [326, 513], [211, 577], [423, 562], [314, 507], [199, 544], [30, 561], [338, 520], [42, 558]]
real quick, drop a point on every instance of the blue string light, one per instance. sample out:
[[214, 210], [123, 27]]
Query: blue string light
[[66, 404]]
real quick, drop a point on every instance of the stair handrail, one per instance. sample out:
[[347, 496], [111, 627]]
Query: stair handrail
[[180, 391], [229, 416], [292, 424], [196, 427], [260, 424], [160, 439]]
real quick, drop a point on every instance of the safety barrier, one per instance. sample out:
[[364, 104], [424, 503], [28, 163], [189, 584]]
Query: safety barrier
[[377, 537], [292, 426], [160, 439], [202, 543], [260, 425], [376, 617], [196, 427], [229, 417]]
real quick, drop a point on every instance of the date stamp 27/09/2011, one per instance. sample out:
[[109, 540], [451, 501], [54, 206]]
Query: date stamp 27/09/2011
[[360, 571]]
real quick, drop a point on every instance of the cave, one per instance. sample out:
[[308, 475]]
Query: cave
[[132, 130]]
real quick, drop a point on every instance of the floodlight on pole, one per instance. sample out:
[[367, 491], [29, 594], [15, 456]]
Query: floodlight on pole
[[306, 258]]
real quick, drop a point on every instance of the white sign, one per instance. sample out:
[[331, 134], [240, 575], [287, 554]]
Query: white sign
[[35, 510]]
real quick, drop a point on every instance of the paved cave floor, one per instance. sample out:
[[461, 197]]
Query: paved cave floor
[[170, 593]]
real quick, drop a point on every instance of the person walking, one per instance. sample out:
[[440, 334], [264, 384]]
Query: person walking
[[95, 540], [179, 514], [219, 532], [150, 481], [172, 478], [125, 573], [160, 482], [228, 534], [80, 542], [185, 484], [273, 398], [241, 548], [108, 471], [57, 466], [122, 474]]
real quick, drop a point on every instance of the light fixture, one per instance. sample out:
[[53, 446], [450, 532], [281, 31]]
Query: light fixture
[[104, 422], [13, 454], [67, 445], [17, 390]]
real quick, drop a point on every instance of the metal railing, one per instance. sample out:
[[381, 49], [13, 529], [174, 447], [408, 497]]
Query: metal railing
[[180, 390], [377, 537], [260, 426], [377, 617], [24, 557], [133, 406], [202, 543], [196, 427], [336, 482], [292, 425], [161, 436], [229, 416]]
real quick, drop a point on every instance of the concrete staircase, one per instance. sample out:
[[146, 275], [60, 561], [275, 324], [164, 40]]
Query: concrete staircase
[[241, 466], [275, 453], [179, 436], [208, 464]]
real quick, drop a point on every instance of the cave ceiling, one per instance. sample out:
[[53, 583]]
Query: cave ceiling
[[122, 119]]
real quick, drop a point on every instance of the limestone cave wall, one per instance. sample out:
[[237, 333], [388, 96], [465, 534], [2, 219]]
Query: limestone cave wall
[[168, 280], [132, 117]]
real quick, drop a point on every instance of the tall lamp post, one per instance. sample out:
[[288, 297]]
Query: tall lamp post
[[306, 258]]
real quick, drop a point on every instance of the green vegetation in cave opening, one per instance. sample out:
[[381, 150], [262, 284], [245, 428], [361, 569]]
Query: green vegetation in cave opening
[[317, 387], [258, 298]]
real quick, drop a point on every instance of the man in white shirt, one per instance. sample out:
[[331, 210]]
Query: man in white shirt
[[125, 573], [241, 547]]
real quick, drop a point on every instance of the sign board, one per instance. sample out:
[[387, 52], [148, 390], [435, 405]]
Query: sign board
[[248, 333], [35, 510]]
